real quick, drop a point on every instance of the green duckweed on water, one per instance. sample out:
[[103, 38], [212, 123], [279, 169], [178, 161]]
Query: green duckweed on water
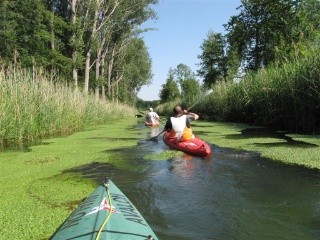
[[295, 149], [167, 154], [37, 197]]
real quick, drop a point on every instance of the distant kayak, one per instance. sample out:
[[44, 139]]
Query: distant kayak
[[105, 214], [151, 124], [196, 146]]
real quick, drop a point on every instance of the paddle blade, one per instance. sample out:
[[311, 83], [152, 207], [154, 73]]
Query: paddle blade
[[155, 138], [202, 97]]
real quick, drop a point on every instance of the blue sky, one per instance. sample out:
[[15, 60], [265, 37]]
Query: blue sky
[[182, 26]]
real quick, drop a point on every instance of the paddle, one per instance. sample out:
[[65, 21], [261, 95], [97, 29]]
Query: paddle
[[202, 97], [155, 138]]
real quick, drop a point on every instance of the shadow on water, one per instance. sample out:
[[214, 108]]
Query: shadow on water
[[229, 195]]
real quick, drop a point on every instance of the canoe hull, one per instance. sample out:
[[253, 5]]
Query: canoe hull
[[124, 222], [196, 146]]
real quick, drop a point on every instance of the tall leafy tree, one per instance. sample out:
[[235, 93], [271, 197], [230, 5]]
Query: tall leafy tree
[[213, 61], [32, 34], [116, 33], [8, 27], [186, 78], [73, 36], [191, 90], [135, 69], [182, 72], [265, 31], [170, 90]]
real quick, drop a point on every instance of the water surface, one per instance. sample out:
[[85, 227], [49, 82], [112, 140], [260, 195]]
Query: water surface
[[229, 195]]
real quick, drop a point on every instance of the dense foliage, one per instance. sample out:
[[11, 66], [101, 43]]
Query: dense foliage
[[170, 90], [96, 46], [264, 32], [93, 41], [265, 69]]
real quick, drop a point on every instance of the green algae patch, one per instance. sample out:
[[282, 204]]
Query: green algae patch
[[293, 149], [38, 193], [312, 139], [167, 154], [42, 185]]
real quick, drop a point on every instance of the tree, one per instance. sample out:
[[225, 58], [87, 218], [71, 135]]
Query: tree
[[182, 72], [8, 27], [116, 35], [135, 69], [265, 31], [170, 90], [213, 60], [186, 78], [32, 35], [191, 90], [70, 37]]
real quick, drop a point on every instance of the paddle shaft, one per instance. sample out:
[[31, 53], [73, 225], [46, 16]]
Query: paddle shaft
[[202, 97]]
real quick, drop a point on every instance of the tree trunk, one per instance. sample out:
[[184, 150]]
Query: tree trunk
[[109, 71], [87, 71], [89, 49], [51, 8], [74, 51], [99, 65], [103, 93], [97, 75]]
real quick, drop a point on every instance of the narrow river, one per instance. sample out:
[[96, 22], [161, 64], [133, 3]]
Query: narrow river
[[229, 195]]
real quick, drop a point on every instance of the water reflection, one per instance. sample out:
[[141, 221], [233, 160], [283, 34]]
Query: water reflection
[[155, 131]]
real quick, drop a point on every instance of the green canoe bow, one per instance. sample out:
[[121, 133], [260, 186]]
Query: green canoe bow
[[94, 220]]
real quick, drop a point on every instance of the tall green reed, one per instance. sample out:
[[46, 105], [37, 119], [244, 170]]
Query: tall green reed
[[34, 106], [284, 95]]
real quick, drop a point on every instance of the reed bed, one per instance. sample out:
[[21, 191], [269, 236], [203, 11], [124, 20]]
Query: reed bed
[[34, 105], [286, 96]]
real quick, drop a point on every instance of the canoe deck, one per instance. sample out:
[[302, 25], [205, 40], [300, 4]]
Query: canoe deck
[[105, 215]]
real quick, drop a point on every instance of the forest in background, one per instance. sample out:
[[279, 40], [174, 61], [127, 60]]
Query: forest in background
[[264, 70], [87, 59], [93, 45]]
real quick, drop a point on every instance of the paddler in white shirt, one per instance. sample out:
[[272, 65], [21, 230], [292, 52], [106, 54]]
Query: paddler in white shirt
[[152, 117], [179, 125]]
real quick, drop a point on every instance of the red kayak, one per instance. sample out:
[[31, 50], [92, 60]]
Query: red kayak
[[195, 146], [151, 124]]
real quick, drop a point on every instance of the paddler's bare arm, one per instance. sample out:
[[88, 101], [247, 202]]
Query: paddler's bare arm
[[196, 116]]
